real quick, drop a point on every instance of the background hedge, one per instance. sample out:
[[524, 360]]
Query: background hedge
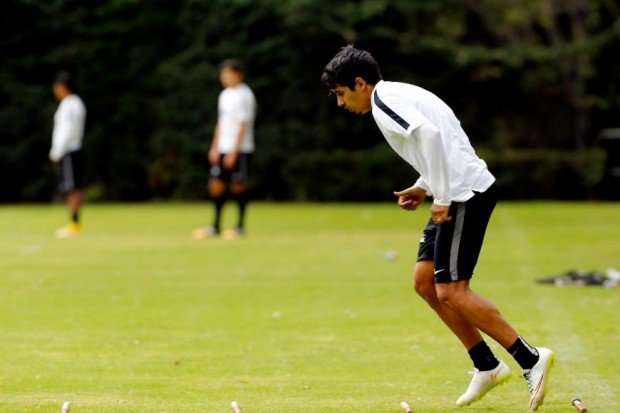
[[374, 173], [525, 77]]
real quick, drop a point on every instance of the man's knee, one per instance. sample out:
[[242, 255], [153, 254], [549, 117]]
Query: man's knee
[[74, 194], [217, 188], [424, 283], [451, 295], [238, 188], [425, 290]]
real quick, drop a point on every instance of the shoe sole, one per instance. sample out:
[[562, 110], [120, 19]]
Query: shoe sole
[[231, 235], [66, 235], [203, 236], [545, 382], [200, 234], [500, 382]]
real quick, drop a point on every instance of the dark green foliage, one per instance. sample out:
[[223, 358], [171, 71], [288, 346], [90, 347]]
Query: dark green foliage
[[518, 73], [341, 175], [544, 173]]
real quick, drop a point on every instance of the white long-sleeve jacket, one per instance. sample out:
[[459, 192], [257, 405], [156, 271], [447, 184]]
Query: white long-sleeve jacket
[[424, 131], [69, 122], [236, 105]]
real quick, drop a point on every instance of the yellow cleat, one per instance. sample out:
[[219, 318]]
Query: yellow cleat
[[70, 230]]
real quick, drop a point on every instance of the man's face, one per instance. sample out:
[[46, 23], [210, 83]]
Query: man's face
[[230, 77], [60, 91], [356, 100]]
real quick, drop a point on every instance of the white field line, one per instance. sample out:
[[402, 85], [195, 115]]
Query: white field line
[[572, 358]]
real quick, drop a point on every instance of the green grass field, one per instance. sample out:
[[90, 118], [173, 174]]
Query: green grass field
[[304, 315]]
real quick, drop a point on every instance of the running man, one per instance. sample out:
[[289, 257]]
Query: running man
[[66, 151], [231, 149], [424, 131]]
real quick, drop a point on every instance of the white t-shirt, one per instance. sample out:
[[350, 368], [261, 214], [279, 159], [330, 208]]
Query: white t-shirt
[[424, 131], [235, 105], [69, 122]]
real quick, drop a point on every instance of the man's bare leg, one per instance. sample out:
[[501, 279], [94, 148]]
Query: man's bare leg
[[74, 199], [217, 191], [424, 285], [477, 311], [490, 371], [536, 362]]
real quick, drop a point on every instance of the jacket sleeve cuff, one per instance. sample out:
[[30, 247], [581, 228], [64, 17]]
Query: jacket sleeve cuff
[[54, 156], [420, 183]]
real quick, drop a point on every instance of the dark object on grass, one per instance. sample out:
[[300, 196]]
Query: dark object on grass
[[583, 279]]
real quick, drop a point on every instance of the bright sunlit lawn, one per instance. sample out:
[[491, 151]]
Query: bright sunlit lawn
[[303, 315]]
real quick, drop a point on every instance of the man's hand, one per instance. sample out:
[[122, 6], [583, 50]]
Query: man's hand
[[230, 161], [410, 198], [214, 156], [439, 214]]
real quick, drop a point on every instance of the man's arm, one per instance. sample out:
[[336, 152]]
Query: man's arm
[[60, 136], [214, 153], [421, 183], [435, 158], [436, 169], [410, 198]]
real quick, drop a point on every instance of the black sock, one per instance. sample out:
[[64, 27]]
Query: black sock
[[75, 217], [219, 204], [483, 357], [523, 353], [242, 200]]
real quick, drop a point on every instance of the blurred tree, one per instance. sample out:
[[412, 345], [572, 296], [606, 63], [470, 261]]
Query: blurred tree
[[518, 73]]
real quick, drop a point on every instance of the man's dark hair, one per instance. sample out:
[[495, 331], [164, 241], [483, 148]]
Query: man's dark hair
[[233, 64], [348, 64], [65, 78]]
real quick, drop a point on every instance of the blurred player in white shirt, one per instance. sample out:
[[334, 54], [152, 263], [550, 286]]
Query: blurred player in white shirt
[[66, 151], [231, 149]]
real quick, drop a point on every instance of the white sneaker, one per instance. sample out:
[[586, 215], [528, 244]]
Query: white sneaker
[[482, 382], [206, 232], [538, 376]]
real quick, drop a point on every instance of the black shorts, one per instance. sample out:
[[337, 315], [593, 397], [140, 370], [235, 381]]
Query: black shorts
[[454, 246], [71, 171], [239, 174]]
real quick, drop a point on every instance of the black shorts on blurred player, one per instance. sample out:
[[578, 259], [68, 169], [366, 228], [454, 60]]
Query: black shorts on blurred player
[[71, 172], [239, 174]]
